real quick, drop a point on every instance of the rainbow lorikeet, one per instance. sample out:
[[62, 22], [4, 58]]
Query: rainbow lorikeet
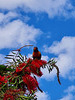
[[36, 53]]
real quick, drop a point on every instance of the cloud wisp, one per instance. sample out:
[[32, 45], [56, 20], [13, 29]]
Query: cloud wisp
[[65, 52], [42, 96], [5, 18], [17, 33], [2, 59], [51, 7], [70, 93]]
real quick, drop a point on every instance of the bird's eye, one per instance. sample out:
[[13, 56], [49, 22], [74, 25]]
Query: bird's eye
[[35, 48]]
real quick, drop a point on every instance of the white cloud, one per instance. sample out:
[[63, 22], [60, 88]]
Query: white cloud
[[29, 56], [51, 7], [72, 75], [17, 33], [11, 15], [70, 93], [42, 96], [4, 18], [68, 97], [70, 89], [7, 4], [48, 76], [45, 58], [2, 59], [65, 51]]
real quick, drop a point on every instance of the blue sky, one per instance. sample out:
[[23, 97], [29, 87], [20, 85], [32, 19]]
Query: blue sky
[[49, 25]]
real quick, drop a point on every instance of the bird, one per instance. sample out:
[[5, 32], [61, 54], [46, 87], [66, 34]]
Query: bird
[[36, 54]]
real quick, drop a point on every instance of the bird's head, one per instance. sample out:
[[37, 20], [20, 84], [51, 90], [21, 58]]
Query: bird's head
[[35, 49]]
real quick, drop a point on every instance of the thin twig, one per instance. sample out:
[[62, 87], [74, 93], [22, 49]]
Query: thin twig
[[21, 48], [57, 73]]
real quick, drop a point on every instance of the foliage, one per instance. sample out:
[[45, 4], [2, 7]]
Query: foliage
[[18, 77]]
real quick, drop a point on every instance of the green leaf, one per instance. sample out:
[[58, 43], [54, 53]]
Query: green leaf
[[13, 52], [9, 55], [2, 67], [8, 58], [9, 69]]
